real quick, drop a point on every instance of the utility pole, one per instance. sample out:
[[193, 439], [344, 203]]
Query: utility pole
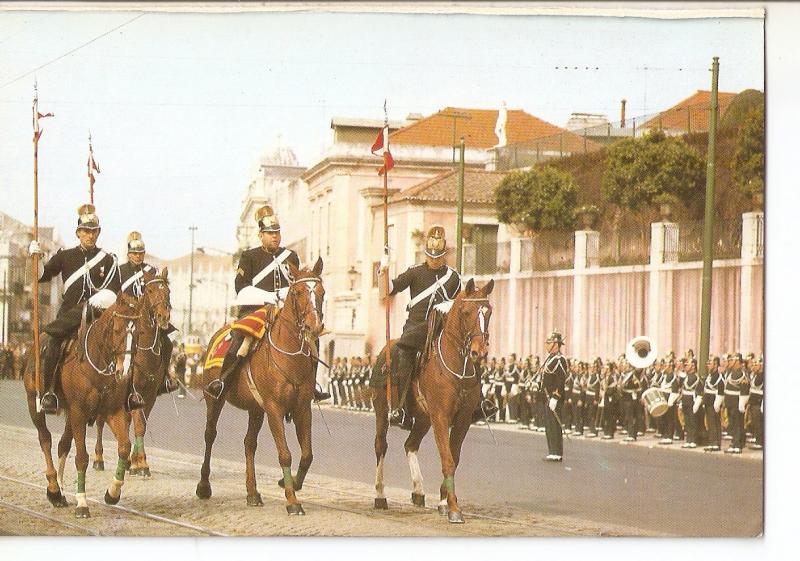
[[460, 220], [455, 117], [708, 225], [192, 229]]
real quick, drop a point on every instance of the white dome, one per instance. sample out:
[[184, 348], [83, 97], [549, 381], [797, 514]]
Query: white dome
[[278, 154]]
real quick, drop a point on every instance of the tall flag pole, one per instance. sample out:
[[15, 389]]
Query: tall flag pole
[[91, 167], [37, 134], [382, 143]]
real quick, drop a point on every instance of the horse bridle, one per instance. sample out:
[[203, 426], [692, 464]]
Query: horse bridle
[[470, 336], [299, 325], [129, 327], [151, 315]]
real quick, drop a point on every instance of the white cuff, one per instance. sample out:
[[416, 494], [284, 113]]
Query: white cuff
[[553, 403], [252, 296], [718, 400], [443, 307], [102, 299]]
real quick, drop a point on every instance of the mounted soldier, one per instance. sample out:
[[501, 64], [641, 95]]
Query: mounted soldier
[[132, 283], [89, 275], [262, 281], [433, 285]]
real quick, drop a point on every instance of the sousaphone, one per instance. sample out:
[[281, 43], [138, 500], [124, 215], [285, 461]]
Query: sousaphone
[[641, 352]]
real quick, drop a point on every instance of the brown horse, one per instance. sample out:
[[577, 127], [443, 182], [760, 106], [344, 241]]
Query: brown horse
[[149, 367], [278, 378], [443, 395], [93, 384]]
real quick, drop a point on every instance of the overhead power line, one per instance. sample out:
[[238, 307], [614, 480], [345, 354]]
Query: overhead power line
[[72, 51]]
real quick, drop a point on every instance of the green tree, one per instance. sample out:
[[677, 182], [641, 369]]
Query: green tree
[[540, 199], [740, 108], [748, 159], [643, 171]]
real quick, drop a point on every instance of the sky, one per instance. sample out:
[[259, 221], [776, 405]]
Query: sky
[[181, 106]]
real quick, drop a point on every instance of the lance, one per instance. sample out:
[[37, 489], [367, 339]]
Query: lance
[[91, 167], [386, 253], [37, 133]]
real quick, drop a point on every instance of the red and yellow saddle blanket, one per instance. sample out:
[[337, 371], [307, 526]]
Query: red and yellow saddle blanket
[[254, 325]]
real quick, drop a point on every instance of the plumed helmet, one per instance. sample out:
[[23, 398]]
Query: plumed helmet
[[555, 337], [87, 219], [267, 220], [135, 243], [435, 244]]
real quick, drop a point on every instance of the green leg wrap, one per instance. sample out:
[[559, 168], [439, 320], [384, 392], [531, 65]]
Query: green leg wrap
[[450, 484], [301, 476], [81, 483], [138, 444], [122, 465], [288, 482]]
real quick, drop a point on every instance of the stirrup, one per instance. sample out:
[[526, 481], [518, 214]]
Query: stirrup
[[213, 392], [399, 418], [135, 401], [49, 403], [320, 395]]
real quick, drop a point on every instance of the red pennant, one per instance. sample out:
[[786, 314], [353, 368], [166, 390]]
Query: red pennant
[[40, 116]]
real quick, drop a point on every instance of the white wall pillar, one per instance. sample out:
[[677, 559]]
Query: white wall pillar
[[751, 294], [663, 251], [511, 321], [587, 246]]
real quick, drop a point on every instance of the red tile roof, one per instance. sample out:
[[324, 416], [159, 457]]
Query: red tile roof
[[479, 186], [477, 130], [691, 113]]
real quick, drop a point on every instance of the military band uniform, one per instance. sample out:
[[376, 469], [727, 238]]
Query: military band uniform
[[566, 413], [669, 384], [737, 393], [610, 406], [713, 398], [590, 404], [631, 392], [578, 403], [554, 373], [755, 403], [691, 399], [499, 386]]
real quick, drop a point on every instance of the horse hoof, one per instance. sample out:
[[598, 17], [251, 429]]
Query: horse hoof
[[145, 472], [255, 500], [295, 510], [109, 500], [134, 471], [82, 512], [280, 483], [455, 517], [442, 509], [56, 499], [203, 491], [381, 504], [98, 466], [418, 499]]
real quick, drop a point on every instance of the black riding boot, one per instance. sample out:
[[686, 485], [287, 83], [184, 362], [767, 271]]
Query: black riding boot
[[52, 352], [319, 393], [230, 364], [485, 410], [405, 364]]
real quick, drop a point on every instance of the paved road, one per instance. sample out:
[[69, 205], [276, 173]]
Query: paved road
[[660, 490]]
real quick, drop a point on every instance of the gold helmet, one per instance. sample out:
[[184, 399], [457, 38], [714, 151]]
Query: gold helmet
[[135, 243], [435, 245], [267, 220], [87, 219]]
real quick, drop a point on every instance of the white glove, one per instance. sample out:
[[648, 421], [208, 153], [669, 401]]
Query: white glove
[[743, 399], [384, 261], [283, 293], [552, 404], [444, 307], [252, 296], [718, 403], [514, 390], [103, 299], [698, 401], [34, 248], [673, 397]]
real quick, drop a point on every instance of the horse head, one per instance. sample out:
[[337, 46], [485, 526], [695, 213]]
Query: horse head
[[156, 297], [124, 314], [474, 311], [306, 295]]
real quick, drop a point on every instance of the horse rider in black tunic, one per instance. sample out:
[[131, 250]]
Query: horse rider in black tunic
[[431, 284], [131, 276], [554, 372], [89, 275], [263, 277]]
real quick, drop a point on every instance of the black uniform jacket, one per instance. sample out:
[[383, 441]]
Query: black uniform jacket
[[131, 277], [555, 373], [419, 278], [69, 263]]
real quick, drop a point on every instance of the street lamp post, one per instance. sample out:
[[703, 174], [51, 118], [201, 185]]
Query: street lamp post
[[192, 229]]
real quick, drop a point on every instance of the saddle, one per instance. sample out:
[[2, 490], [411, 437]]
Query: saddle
[[252, 326], [435, 326]]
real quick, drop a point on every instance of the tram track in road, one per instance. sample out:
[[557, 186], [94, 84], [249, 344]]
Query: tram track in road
[[128, 510], [371, 513], [48, 518]]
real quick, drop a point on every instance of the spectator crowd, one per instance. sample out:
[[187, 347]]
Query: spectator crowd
[[13, 360]]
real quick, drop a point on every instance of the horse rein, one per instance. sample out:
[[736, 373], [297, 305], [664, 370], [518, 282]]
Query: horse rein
[[130, 328], [467, 340], [150, 308], [299, 324]]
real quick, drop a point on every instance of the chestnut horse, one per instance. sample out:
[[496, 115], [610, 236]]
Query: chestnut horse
[[277, 378], [93, 385], [444, 395], [150, 365]]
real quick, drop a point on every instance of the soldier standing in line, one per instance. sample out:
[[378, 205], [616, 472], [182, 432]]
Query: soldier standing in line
[[631, 385], [578, 398], [670, 385], [333, 382], [713, 397], [554, 372], [569, 382], [590, 403], [756, 403], [737, 393], [498, 379], [610, 400], [691, 399]]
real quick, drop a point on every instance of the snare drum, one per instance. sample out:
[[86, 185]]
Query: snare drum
[[655, 402]]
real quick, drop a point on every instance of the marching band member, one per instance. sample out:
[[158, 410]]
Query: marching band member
[[498, 379], [713, 398], [578, 398], [737, 393], [691, 399], [89, 275], [631, 386], [756, 403], [670, 384], [262, 277], [592, 395], [609, 400], [554, 372]]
